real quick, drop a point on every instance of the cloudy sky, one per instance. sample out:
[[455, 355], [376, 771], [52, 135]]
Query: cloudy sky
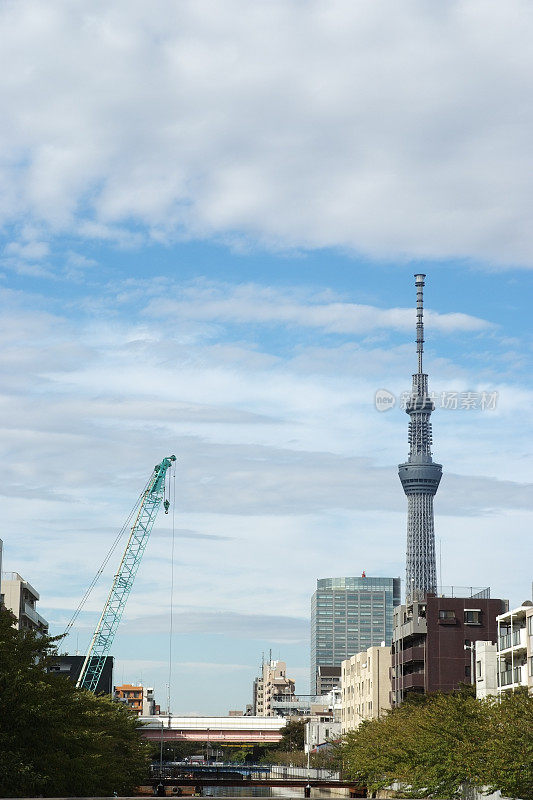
[[211, 214]]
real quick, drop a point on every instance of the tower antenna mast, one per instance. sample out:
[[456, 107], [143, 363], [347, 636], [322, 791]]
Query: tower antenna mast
[[419, 283], [420, 475]]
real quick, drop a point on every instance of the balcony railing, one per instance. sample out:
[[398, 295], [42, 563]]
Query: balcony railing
[[36, 618], [511, 676], [513, 639], [413, 680], [412, 654]]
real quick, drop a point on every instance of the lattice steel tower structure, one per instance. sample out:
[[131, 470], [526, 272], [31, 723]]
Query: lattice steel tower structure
[[419, 475]]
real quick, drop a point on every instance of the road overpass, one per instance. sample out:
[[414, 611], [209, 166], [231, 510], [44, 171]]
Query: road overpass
[[213, 730]]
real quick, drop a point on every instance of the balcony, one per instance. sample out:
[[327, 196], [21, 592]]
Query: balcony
[[32, 615], [511, 676], [413, 681], [413, 626], [516, 640], [412, 654]]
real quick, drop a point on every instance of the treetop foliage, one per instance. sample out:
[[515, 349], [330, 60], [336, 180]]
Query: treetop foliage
[[56, 740], [436, 746]]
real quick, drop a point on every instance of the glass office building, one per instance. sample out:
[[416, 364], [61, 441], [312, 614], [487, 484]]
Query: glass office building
[[349, 615]]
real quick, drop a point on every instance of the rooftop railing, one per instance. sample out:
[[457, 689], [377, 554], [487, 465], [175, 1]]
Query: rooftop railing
[[474, 592]]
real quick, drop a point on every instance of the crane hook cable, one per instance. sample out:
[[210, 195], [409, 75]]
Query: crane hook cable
[[171, 622], [104, 563]]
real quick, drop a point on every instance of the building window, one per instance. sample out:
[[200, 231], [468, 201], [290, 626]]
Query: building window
[[530, 625], [531, 662], [473, 617], [478, 666], [446, 615]]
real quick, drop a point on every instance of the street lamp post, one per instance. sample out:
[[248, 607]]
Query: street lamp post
[[160, 787], [307, 790]]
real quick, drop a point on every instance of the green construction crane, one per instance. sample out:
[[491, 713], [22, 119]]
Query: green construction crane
[[106, 629]]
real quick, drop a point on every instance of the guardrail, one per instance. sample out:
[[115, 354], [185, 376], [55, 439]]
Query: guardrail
[[281, 771], [223, 771]]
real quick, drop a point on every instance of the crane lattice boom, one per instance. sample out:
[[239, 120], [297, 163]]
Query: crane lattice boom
[[106, 629]]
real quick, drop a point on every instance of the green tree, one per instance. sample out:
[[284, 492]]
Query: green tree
[[56, 740], [293, 736], [437, 745], [509, 757]]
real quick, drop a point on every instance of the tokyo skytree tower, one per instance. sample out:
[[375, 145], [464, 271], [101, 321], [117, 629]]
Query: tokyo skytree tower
[[419, 475]]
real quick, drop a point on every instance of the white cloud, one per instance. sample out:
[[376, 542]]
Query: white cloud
[[396, 129], [276, 628], [256, 304], [28, 251]]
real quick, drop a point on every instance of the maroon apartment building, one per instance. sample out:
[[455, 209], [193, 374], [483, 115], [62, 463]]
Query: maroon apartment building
[[432, 640]]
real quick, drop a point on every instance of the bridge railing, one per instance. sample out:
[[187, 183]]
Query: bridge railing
[[281, 771], [266, 772]]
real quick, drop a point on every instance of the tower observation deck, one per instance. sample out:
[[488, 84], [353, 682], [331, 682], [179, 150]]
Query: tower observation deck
[[419, 475]]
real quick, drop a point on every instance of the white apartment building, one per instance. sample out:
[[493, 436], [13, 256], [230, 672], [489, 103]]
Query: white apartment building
[[515, 648], [319, 731], [366, 686], [272, 689], [324, 723], [21, 599]]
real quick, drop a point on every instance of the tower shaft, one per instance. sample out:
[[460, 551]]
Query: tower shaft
[[420, 475]]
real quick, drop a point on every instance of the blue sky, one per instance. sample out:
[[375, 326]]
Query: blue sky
[[210, 222]]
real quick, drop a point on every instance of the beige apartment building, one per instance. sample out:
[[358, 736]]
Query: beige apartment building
[[366, 686], [272, 687]]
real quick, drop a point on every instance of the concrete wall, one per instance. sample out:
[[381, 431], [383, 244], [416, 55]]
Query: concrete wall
[[486, 666]]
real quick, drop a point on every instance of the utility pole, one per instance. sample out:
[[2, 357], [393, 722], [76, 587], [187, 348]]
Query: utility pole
[[472, 647]]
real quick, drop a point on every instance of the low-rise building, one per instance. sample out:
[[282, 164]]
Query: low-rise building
[[319, 731], [433, 641], [21, 599], [139, 698], [366, 686], [70, 667]]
